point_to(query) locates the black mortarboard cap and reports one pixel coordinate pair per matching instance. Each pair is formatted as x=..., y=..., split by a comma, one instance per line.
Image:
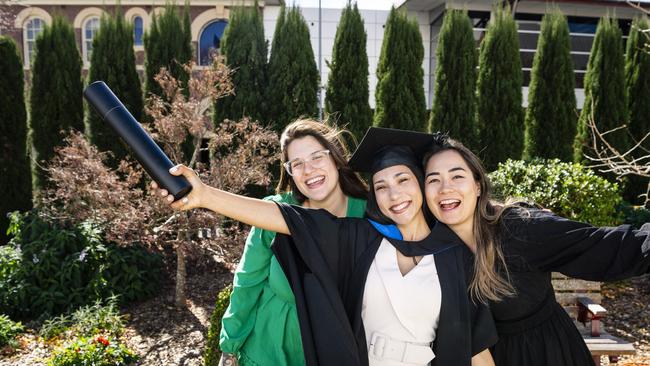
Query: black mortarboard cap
x=381, y=148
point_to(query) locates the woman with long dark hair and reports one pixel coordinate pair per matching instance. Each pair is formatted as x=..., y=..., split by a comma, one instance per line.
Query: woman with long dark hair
x=516, y=248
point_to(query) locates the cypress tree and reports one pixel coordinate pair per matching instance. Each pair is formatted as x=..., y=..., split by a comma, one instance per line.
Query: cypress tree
x=347, y=87
x=605, y=99
x=245, y=49
x=56, y=95
x=113, y=61
x=15, y=185
x=167, y=44
x=500, y=115
x=400, y=101
x=637, y=83
x=293, y=75
x=454, y=99
x=551, y=115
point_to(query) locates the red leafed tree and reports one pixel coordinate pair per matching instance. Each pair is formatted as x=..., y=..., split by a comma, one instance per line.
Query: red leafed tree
x=240, y=152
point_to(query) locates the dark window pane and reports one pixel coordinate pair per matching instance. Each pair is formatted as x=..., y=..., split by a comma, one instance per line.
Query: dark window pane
x=138, y=31
x=210, y=41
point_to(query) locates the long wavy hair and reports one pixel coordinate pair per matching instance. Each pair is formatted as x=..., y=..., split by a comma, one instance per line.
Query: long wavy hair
x=491, y=280
x=331, y=137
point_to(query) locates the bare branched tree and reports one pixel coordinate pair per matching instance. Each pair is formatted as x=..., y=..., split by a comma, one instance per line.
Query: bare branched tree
x=85, y=188
x=607, y=159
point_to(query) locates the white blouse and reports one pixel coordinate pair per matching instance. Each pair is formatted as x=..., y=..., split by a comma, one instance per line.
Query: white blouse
x=400, y=313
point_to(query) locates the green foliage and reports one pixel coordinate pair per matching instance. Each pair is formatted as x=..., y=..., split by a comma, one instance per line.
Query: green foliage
x=113, y=61
x=346, y=98
x=49, y=269
x=293, y=76
x=500, y=115
x=637, y=84
x=167, y=44
x=103, y=317
x=8, y=331
x=605, y=95
x=567, y=189
x=212, y=353
x=635, y=215
x=400, y=101
x=56, y=95
x=551, y=114
x=15, y=184
x=454, y=101
x=97, y=351
x=245, y=49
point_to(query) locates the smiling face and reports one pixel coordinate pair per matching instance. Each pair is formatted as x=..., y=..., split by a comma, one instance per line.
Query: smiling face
x=398, y=194
x=315, y=183
x=451, y=190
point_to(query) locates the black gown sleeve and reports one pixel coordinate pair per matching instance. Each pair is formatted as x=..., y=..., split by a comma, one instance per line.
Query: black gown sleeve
x=551, y=243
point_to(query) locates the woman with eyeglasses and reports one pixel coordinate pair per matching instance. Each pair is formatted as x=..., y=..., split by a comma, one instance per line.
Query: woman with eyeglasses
x=260, y=326
x=364, y=298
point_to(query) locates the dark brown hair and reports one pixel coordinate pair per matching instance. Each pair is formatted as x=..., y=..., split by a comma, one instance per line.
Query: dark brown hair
x=491, y=280
x=331, y=137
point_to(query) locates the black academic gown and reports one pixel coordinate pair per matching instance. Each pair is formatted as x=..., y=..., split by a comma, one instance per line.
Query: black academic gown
x=534, y=330
x=327, y=259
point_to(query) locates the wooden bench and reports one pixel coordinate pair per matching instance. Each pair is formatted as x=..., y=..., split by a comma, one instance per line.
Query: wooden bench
x=581, y=299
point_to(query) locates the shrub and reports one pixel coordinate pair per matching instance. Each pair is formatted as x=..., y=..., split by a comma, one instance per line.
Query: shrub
x=87, y=321
x=8, y=331
x=500, y=115
x=212, y=350
x=55, y=103
x=634, y=215
x=568, y=189
x=50, y=268
x=399, y=95
x=16, y=186
x=97, y=351
x=454, y=104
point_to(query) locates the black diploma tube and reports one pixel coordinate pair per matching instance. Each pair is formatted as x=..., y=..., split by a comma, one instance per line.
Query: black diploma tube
x=148, y=153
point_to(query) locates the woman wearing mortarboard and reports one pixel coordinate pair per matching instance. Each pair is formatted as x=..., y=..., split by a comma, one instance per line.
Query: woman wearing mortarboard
x=364, y=299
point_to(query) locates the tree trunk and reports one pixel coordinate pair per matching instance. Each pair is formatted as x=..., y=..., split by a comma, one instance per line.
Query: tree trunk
x=181, y=273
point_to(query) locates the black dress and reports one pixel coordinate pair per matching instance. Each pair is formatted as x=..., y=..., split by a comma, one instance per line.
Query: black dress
x=534, y=330
x=327, y=259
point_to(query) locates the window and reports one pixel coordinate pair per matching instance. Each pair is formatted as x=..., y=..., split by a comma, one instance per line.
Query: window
x=89, y=30
x=32, y=28
x=138, y=30
x=210, y=41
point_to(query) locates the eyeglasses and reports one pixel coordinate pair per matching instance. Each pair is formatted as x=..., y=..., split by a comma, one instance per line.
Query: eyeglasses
x=316, y=160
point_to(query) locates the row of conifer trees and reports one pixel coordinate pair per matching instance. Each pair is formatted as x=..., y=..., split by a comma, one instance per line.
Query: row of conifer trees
x=477, y=94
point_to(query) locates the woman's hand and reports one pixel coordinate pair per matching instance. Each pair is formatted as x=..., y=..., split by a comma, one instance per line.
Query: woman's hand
x=193, y=199
x=483, y=359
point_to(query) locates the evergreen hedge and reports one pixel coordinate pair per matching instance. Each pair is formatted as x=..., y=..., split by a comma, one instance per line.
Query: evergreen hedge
x=605, y=99
x=245, y=49
x=551, y=114
x=637, y=84
x=454, y=100
x=293, y=76
x=168, y=43
x=15, y=185
x=500, y=115
x=400, y=101
x=113, y=61
x=347, y=87
x=56, y=95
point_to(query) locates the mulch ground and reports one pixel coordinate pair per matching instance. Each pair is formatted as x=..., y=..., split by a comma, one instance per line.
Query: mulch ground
x=628, y=316
x=165, y=335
